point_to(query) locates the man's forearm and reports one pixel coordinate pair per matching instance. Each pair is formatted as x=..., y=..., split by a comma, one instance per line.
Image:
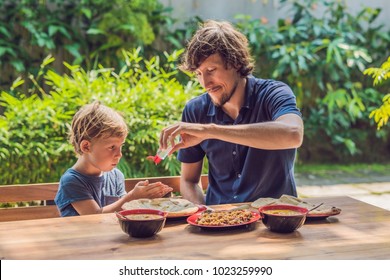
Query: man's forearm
x=192, y=192
x=268, y=135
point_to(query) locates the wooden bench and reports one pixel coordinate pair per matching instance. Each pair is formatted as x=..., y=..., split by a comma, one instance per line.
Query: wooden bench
x=46, y=192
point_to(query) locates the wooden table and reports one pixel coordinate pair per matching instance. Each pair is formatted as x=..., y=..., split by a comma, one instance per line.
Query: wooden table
x=361, y=231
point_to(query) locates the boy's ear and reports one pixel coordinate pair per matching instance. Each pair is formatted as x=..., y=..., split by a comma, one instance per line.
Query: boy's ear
x=85, y=146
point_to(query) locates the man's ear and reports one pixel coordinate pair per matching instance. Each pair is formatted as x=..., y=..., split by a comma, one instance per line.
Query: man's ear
x=85, y=146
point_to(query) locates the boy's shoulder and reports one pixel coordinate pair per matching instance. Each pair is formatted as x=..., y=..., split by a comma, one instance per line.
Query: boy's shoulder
x=70, y=176
x=69, y=173
x=114, y=174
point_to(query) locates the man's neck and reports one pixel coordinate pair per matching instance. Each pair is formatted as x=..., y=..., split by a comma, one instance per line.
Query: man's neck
x=233, y=106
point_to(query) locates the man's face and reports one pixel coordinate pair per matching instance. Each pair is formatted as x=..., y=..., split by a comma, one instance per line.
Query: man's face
x=219, y=82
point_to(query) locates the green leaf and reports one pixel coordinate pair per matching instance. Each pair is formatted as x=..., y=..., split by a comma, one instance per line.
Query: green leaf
x=74, y=49
x=47, y=60
x=127, y=27
x=18, y=82
x=86, y=12
x=95, y=31
x=4, y=50
x=18, y=65
x=52, y=30
x=5, y=32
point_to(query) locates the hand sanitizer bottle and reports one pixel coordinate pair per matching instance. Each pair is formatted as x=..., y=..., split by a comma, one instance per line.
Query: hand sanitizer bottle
x=162, y=153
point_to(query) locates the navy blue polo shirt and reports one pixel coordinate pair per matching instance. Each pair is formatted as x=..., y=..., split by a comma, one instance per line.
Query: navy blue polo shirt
x=240, y=173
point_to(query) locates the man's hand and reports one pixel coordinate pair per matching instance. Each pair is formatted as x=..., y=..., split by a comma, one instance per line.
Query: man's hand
x=191, y=134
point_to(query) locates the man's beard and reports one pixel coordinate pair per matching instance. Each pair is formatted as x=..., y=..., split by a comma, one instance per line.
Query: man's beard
x=225, y=97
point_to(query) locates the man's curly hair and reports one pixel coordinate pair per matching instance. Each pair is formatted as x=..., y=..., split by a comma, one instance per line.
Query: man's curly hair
x=218, y=37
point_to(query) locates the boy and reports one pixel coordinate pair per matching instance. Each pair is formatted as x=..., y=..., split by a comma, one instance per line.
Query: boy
x=94, y=184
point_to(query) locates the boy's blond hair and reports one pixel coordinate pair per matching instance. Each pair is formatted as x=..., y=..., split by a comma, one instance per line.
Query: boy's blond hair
x=94, y=121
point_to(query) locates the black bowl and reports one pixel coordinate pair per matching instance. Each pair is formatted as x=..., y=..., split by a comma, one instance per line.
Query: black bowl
x=283, y=218
x=141, y=223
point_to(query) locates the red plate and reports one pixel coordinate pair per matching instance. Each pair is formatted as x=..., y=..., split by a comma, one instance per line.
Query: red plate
x=320, y=216
x=192, y=221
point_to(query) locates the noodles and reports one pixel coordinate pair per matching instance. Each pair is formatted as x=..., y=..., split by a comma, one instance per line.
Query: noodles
x=224, y=218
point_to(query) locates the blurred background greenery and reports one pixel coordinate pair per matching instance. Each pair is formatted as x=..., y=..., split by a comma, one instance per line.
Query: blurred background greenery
x=56, y=56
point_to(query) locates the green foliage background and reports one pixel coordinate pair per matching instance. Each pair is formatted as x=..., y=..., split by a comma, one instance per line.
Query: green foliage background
x=82, y=32
x=322, y=57
x=381, y=75
x=33, y=129
x=114, y=51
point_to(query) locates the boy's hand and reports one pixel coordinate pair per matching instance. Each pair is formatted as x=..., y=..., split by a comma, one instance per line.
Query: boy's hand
x=154, y=190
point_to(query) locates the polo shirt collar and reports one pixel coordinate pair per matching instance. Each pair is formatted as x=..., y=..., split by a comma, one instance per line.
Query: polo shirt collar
x=212, y=108
x=250, y=82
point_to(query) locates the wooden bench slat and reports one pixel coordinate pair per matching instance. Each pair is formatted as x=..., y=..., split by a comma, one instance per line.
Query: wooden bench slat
x=48, y=191
x=17, y=193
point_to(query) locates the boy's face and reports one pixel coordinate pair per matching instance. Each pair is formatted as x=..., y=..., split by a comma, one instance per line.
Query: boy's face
x=104, y=154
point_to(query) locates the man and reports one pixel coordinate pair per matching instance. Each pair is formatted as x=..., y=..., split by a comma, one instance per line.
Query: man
x=248, y=128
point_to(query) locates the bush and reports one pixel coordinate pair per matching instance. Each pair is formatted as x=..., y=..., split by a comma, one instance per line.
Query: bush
x=381, y=75
x=33, y=129
x=80, y=31
x=322, y=58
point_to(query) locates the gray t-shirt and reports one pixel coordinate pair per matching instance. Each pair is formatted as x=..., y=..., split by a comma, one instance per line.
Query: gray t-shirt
x=75, y=186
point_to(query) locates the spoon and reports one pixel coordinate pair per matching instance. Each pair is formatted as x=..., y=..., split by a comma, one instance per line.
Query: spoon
x=121, y=216
x=315, y=207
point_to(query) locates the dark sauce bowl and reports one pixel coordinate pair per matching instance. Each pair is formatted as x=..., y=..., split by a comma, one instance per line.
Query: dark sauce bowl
x=283, y=218
x=141, y=223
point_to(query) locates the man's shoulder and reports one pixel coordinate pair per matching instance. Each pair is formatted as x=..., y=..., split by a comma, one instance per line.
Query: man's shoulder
x=269, y=87
x=197, y=101
x=197, y=107
x=266, y=83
